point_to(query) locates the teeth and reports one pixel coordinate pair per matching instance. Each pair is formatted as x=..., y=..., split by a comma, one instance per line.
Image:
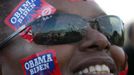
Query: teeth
x=91, y=69
x=94, y=72
x=80, y=73
x=97, y=69
x=85, y=70
x=105, y=69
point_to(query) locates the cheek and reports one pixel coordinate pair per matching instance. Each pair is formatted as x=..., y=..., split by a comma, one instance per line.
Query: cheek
x=118, y=55
x=63, y=53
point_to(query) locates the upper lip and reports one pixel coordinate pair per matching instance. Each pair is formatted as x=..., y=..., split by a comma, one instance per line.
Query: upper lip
x=92, y=62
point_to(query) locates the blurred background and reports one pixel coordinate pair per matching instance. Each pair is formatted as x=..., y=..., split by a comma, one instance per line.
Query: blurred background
x=122, y=8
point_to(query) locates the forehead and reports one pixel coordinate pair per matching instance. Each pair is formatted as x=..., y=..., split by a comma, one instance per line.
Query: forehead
x=85, y=8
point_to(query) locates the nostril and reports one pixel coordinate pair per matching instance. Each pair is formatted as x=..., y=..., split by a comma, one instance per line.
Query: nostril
x=107, y=46
x=93, y=46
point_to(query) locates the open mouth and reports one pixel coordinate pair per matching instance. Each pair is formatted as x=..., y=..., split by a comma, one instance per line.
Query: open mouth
x=95, y=67
x=95, y=70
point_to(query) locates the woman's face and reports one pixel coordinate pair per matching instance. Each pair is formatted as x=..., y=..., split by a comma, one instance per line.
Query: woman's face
x=90, y=56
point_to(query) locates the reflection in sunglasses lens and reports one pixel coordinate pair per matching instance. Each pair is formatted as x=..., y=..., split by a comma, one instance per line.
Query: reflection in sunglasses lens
x=112, y=27
x=61, y=28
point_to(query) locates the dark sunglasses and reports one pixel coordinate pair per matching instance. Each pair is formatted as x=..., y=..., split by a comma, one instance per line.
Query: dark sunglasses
x=111, y=26
x=63, y=28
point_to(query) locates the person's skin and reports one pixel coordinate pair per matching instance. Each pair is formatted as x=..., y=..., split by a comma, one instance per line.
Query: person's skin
x=92, y=50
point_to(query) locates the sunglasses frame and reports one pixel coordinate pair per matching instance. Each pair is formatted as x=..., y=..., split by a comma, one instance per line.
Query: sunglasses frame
x=4, y=43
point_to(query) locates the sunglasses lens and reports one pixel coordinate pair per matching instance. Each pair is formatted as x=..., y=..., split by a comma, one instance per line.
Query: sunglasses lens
x=113, y=28
x=60, y=28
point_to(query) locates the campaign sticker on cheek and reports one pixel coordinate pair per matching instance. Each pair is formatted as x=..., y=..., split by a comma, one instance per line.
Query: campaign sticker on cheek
x=42, y=63
x=27, y=11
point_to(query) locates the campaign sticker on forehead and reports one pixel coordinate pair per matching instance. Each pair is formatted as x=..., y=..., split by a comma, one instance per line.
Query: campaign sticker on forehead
x=27, y=11
x=42, y=63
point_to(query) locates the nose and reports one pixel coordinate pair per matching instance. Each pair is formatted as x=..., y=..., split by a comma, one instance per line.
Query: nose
x=94, y=39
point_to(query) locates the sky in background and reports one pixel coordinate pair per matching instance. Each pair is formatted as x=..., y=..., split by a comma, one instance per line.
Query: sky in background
x=122, y=8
